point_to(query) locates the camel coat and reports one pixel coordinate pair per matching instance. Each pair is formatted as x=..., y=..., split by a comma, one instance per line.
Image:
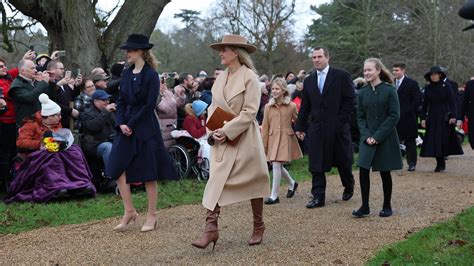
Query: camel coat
x=239, y=172
x=279, y=139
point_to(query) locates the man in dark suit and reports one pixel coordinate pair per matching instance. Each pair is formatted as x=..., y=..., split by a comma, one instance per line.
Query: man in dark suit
x=467, y=109
x=328, y=101
x=455, y=87
x=410, y=97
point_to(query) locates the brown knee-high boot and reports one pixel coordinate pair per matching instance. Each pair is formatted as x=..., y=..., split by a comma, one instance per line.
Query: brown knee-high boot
x=258, y=225
x=211, y=232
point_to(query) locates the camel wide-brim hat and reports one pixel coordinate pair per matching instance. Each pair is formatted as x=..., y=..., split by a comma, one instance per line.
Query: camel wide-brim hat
x=234, y=40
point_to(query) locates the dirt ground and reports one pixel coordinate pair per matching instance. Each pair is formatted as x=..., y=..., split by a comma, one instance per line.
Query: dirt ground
x=294, y=234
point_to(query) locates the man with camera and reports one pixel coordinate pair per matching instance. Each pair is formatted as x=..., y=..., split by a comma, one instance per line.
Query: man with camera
x=26, y=88
x=97, y=124
x=67, y=89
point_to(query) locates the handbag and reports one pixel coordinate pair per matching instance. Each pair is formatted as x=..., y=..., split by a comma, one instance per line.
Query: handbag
x=218, y=119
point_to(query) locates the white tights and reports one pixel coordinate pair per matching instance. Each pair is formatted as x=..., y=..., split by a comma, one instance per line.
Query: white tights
x=278, y=172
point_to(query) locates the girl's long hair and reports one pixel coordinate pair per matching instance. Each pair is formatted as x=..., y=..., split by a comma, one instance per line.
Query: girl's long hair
x=385, y=74
x=188, y=109
x=150, y=59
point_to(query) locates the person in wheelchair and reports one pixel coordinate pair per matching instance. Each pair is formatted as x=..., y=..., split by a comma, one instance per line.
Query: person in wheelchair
x=53, y=167
x=98, y=133
x=195, y=124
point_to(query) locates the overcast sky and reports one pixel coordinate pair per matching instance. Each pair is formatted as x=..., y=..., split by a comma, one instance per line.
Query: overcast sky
x=166, y=22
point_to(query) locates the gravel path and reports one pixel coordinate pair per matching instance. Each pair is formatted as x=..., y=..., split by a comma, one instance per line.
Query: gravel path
x=294, y=234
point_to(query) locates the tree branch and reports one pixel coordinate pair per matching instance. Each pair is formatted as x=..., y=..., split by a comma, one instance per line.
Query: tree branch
x=131, y=18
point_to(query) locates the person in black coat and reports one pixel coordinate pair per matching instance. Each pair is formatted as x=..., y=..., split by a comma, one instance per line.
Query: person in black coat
x=66, y=92
x=468, y=110
x=328, y=101
x=410, y=96
x=114, y=83
x=455, y=88
x=98, y=128
x=438, y=114
x=138, y=153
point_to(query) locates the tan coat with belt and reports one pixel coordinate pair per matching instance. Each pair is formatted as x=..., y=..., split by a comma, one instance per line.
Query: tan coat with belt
x=239, y=172
x=279, y=140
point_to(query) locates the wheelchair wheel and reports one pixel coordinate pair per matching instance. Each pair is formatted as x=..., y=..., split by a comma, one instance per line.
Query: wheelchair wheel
x=182, y=160
x=205, y=168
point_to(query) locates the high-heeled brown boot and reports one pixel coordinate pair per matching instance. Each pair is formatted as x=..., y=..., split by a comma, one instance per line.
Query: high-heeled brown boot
x=211, y=232
x=258, y=225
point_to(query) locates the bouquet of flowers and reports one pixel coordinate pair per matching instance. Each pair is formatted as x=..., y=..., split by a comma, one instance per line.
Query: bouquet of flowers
x=57, y=141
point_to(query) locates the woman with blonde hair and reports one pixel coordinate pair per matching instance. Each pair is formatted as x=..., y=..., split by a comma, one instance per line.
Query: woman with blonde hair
x=238, y=169
x=138, y=153
x=279, y=140
x=378, y=111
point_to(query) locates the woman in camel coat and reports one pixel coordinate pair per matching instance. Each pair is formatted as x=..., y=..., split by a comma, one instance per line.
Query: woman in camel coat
x=237, y=172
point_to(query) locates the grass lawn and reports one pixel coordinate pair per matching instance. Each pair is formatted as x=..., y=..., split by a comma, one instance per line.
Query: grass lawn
x=448, y=243
x=18, y=217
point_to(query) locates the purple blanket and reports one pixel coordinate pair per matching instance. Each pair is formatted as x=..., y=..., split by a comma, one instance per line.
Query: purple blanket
x=43, y=174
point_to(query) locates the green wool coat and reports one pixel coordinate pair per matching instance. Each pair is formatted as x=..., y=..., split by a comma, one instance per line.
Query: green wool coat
x=378, y=112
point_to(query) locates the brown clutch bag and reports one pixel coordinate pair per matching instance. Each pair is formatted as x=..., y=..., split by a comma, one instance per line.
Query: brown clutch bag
x=218, y=119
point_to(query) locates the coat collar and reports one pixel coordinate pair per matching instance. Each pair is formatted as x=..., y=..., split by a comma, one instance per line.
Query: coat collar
x=327, y=83
x=235, y=85
x=286, y=101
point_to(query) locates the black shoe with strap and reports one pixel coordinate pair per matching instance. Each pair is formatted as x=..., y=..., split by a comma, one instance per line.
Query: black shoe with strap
x=290, y=192
x=270, y=201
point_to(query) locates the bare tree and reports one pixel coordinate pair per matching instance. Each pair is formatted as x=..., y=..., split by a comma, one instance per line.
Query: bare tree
x=260, y=20
x=71, y=26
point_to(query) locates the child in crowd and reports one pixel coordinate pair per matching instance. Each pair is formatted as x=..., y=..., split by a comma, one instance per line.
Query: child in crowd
x=279, y=140
x=195, y=120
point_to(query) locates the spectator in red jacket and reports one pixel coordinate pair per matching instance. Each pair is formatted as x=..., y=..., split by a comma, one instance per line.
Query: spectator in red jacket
x=8, y=130
x=195, y=120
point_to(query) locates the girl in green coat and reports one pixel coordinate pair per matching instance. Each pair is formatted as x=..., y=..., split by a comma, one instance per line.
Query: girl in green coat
x=378, y=111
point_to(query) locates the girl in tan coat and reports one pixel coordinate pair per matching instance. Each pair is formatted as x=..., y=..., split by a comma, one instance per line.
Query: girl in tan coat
x=237, y=172
x=279, y=140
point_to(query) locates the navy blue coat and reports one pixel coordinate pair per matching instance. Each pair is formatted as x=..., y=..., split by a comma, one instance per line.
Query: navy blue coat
x=143, y=155
x=325, y=118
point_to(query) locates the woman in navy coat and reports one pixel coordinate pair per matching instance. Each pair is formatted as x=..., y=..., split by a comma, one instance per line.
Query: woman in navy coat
x=138, y=153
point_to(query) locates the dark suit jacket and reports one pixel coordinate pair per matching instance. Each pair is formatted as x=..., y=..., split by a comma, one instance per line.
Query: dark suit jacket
x=325, y=118
x=468, y=110
x=410, y=97
x=65, y=95
x=457, y=104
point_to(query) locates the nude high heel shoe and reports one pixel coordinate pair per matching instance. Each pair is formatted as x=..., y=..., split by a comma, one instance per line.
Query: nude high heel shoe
x=146, y=228
x=123, y=227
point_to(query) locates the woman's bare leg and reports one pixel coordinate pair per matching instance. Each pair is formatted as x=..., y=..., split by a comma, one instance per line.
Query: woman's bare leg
x=152, y=194
x=129, y=210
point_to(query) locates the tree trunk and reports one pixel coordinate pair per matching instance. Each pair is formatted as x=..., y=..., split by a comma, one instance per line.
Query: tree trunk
x=71, y=27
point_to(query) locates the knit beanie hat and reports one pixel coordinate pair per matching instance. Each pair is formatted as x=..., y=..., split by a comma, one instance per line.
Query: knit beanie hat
x=48, y=107
x=199, y=107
